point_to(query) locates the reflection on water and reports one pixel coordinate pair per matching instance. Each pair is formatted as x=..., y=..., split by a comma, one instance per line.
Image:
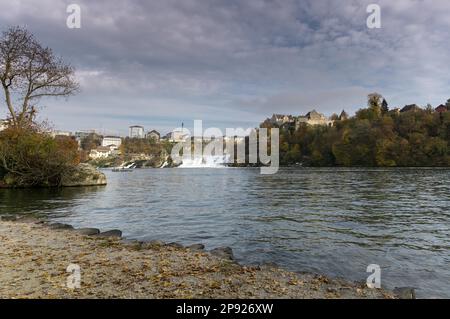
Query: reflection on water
x=332, y=221
x=44, y=202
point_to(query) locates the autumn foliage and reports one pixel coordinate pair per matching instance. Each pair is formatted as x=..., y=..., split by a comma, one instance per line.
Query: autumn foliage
x=374, y=137
x=30, y=157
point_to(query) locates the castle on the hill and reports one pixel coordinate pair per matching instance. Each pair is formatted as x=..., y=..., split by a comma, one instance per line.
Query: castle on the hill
x=311, y=118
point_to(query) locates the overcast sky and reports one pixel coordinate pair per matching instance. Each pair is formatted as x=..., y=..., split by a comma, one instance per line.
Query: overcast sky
x=233, y=63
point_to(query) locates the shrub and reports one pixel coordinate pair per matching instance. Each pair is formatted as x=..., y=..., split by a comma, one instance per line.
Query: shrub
x=29, y=157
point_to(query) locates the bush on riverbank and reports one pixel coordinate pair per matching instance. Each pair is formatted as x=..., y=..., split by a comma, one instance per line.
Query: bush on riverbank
x=30, y=157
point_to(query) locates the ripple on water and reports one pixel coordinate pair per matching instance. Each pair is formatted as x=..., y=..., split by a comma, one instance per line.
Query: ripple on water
x=331, y=221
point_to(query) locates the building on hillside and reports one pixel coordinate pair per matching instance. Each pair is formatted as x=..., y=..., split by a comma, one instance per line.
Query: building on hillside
x=441, y=108
x=410, y=108
x=177, y=135
x=313, y=118
x=154, y=135
x=100, y=152
x=115, y=141
x=293, y=122
x=280, y=119
x=136, y=131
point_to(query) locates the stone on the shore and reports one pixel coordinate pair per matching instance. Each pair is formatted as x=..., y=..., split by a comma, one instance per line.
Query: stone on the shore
x=60, y=226
x=196, y=247
x=405, y=292
x=83, y=175
x=111, y=233
x=223, y=252
x=175, y=245
x=88, y=231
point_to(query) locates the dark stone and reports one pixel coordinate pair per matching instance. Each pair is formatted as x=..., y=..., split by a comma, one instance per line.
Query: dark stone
x=175, y=245
x=88, y=231
x=60, y=226
x=405, y=292
x=111, y=233
x=223, y=252
x=196, y=247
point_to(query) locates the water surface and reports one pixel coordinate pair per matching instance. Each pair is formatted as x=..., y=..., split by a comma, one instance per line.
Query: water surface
x=330, y=221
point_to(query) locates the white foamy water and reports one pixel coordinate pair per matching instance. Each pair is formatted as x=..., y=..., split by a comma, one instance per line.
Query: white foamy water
x=209, y=161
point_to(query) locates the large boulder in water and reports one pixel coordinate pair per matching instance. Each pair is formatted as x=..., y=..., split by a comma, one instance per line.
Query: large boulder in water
x=84, y=175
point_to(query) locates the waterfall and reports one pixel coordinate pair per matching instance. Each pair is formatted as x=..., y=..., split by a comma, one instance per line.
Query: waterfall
x=206, y=161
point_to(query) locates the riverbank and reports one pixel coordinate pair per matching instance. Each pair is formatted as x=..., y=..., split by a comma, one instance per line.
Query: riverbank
x=34, y=258
x=82, y=175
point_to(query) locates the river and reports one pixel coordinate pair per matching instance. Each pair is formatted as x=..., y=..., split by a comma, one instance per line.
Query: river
x=333, y=221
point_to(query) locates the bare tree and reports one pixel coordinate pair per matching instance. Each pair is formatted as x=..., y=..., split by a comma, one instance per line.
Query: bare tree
x=29, y=72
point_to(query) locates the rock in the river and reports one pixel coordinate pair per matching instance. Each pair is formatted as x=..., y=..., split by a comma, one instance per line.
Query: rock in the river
x=223, y=252
x=405, y=292
x=196, y=247
x=84, y=175
x=88, y=231
x=111, y=233
x=60, y=226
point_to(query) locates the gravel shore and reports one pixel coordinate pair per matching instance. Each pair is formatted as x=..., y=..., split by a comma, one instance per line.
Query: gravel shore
x=34, y=259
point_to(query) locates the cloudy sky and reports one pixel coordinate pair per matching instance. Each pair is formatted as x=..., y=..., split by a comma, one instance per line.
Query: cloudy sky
x=232, y=63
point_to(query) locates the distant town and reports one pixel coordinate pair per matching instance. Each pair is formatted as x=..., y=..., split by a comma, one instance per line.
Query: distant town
x=105, y=146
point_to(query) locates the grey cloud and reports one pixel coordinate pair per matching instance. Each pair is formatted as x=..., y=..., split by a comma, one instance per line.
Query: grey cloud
x=230, y=60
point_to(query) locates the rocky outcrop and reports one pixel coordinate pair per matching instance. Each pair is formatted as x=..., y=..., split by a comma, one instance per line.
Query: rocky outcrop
x=83, y=175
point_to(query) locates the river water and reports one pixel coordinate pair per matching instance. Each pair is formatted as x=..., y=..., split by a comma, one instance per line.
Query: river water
x=332, y=221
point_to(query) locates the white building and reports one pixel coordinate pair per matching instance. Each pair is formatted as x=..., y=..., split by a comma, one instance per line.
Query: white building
x=60, y=133
x=116, y=141
x=136, y=131
x=178, y=135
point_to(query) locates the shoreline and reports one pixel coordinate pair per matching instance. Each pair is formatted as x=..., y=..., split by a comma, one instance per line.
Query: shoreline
x=35, y=256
